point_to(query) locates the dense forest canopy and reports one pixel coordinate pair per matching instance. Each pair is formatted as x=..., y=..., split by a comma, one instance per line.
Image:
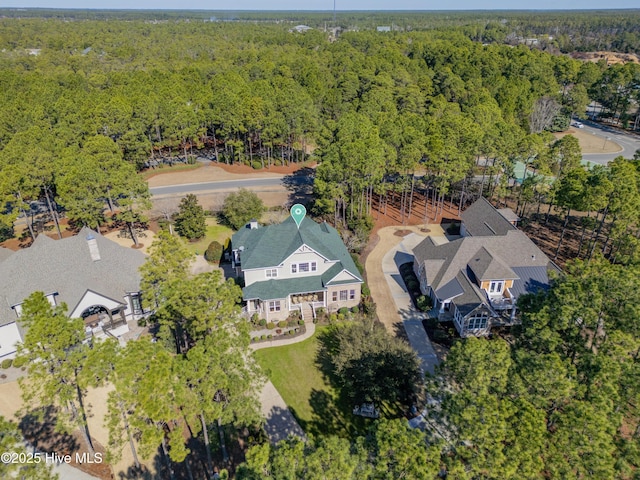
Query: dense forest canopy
x=575, y=30
x=374, y=107
x=433, y=108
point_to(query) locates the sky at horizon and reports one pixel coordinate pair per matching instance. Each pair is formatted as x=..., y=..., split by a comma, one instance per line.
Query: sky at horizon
x=341, y=5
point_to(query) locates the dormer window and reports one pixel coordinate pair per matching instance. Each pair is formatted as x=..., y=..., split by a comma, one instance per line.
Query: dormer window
x=496, y=286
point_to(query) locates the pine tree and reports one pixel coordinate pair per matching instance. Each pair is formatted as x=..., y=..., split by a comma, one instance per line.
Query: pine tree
x=190, y=221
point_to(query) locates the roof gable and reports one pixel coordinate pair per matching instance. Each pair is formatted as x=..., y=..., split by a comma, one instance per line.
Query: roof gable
x=343, y=276
x=270, y=246
x=516, y=250
x=65, y=266
x=486, y=266
x=482, y=219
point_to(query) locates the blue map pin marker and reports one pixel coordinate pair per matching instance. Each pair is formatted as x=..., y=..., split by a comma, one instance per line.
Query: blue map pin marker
x=298, y=213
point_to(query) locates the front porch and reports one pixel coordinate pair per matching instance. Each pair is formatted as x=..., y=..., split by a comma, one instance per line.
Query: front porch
x=279, y=309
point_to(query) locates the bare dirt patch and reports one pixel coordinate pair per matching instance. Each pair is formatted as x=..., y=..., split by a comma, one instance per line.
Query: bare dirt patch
x=590, y=143
x=215, y=172
x=610, y=58
x=145, y=239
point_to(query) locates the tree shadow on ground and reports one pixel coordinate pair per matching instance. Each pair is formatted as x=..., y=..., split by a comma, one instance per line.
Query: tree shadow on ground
x=281, y=423
x=141, y=473
x=332, y=412
x=300, y=185
x=40, y=431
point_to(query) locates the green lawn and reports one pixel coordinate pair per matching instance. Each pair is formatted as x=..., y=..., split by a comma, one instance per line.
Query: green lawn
x=215, y=231
x=294, y=371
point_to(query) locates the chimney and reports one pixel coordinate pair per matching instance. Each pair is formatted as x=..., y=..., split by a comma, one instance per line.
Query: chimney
x=253, y=224
x=93, y=247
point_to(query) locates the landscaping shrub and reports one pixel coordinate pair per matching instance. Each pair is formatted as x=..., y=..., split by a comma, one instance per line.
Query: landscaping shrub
x=341, y=317
x=412, y=284
x=255, y=319
x=269, y=337
x=356, y=260
x=365, y=290
x=283, y=323
x=213, y=252
x=256, y=165
x=355, y=309
x=333, y=317
x=271, y=325
x=263, y=337
x=300, y=322
x=6, y=363
x=19, y=362
x=343, y=311
x=263, y=322
x=368, y=307
x=423, y=303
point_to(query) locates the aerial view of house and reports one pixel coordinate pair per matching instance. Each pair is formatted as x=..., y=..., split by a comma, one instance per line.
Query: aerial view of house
x=476, y=280
x=287, y=268
x=96, y=278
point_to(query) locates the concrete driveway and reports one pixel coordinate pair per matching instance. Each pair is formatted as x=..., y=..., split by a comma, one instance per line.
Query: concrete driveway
x=410, y=316
x=394, y=306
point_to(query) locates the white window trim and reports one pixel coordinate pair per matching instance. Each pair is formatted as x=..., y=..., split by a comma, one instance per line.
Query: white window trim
x=310, y=267
x=274, y=306
x=496, y=286
x=271, y=273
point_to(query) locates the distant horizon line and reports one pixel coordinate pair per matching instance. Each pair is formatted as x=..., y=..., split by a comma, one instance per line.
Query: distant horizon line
x=320, y=11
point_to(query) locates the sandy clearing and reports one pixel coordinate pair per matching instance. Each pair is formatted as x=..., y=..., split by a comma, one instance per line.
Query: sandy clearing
x=208, y=173
x=145, y=240
x=11, y=402
x=590, y=143
x=386, y=307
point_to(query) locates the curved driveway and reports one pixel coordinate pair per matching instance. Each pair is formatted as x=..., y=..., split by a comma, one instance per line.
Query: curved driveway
x=394, y=306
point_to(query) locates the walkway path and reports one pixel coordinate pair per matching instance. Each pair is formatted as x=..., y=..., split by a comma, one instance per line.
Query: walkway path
x=280, y=421
x=394, y=306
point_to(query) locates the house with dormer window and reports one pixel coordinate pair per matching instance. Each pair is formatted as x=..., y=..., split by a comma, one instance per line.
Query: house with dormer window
x=289, y=268
x=95, y=277
x=476, y=280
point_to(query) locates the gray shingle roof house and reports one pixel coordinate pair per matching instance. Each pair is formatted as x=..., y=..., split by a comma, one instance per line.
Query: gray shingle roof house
x=477, y=279
x=286, y=268
x=97, y=279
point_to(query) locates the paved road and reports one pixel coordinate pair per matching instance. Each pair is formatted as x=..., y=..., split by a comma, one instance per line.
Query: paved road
x=231, y=184
x=629, y=142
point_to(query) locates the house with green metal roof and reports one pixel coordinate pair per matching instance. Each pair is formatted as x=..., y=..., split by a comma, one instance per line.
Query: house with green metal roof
x=291, y=267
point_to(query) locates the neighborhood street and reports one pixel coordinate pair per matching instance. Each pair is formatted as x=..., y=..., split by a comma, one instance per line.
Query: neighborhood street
x=183, y=189
x=629, y=142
